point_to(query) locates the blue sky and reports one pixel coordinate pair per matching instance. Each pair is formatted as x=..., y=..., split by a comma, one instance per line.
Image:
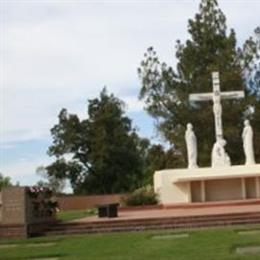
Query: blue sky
x=56, y=54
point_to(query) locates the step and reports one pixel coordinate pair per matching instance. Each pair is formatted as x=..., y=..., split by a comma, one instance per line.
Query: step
x=196, y=224
x=126, y=229
x=175, y=220
x=116, y=220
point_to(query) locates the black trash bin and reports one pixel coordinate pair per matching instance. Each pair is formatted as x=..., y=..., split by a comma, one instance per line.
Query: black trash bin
x=112, y=210
x=108, y=210
x=102, y=211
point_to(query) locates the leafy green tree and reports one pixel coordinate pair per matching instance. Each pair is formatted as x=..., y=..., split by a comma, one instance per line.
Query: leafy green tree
x=50, y=181
x=100, y=154
x=5, y=181
x=156, y=158
x=210, y=48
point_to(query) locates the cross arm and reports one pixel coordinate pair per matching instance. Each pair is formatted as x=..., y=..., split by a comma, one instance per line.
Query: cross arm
x=232, y=94
x=201, y=97
x=224, y=95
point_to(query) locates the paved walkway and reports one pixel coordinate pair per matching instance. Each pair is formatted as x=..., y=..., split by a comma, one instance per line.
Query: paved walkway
x=177, y=212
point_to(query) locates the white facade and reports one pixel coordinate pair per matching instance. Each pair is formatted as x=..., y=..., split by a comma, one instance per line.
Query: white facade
x=207, y=184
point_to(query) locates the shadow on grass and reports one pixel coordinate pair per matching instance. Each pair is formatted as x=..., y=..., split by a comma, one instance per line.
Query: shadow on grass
x=38, y=257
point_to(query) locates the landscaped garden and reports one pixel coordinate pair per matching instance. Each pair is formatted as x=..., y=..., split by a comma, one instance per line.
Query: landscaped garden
x=222, y=243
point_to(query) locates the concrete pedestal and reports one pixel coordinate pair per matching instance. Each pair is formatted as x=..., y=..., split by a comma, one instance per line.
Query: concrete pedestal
x=208, y=184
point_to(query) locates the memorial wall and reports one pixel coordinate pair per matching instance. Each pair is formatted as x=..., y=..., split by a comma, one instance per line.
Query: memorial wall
x=25, y=211
x=0, y=207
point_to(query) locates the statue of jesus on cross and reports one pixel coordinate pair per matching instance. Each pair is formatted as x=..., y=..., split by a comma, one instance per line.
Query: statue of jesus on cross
x=219, y=156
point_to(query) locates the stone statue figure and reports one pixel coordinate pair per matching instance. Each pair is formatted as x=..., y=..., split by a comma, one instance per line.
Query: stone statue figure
x=217, y=109
x=191, y=143
x=219, y=156
x=247, y=137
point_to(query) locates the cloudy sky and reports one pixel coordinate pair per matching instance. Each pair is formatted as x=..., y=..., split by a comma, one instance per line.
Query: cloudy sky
x=56, y=54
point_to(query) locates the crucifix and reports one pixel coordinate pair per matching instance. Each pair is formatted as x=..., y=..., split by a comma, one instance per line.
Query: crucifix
x=219, y=157
x=216, y=96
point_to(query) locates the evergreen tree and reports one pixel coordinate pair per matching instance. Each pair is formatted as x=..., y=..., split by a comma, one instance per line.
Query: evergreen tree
x=158, y=158
x=210, y=48
x=5, y=181
x=51, y=182
x=105, y=157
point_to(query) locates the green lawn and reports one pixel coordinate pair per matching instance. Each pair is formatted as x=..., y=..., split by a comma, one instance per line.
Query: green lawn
x=75, y=214
x=202, y=244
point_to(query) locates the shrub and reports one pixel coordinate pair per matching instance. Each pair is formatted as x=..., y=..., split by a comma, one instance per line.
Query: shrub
x=142, y=196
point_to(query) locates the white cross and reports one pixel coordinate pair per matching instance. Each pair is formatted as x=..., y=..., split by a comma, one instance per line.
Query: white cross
x=216, y=97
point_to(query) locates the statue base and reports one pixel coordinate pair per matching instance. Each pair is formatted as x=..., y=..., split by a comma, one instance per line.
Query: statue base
x=207, y=184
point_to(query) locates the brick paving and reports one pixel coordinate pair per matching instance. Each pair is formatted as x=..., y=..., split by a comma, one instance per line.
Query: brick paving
x=177, y=217
x=205, y=209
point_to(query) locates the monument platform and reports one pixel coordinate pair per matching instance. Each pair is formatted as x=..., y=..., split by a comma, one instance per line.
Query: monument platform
x=208, y=184
x=179, y=217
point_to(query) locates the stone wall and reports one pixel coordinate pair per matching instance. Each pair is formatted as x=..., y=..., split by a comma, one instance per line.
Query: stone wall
x=86, y=202
x=0, y=207
x=221, y=190
x=13, y=231
x=13, y=206
x=21, y=215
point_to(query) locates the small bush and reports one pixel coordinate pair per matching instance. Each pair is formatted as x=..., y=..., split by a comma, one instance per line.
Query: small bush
x=142, y=196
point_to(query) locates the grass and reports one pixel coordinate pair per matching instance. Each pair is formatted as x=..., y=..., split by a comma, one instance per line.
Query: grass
x=75, y=214
x=210, y=244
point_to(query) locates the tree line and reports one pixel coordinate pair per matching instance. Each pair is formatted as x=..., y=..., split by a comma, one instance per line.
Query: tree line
x=104, y=153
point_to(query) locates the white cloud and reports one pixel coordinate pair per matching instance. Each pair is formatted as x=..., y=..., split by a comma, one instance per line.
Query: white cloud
x=133, y=104
x=60, y=53
x=5, y=146
x=56, y=54
x=24, y=169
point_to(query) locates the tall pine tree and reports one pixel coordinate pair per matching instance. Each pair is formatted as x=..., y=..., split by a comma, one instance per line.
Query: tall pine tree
x=210, y=48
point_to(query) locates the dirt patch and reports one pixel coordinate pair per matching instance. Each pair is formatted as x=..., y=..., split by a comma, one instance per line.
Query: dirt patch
x=170, y=236
x=47, y=244
x=249, y=232
x=46, y=258
x=8, y=246
x=40, y=244
x=248, y=250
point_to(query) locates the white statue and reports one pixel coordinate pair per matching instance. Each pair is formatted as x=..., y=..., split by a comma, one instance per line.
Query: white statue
x=219, y=156
x=247, y=137
x=191, y=143
x=217, y=109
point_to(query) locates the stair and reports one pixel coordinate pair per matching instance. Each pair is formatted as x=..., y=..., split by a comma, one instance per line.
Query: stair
x=184, y=222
